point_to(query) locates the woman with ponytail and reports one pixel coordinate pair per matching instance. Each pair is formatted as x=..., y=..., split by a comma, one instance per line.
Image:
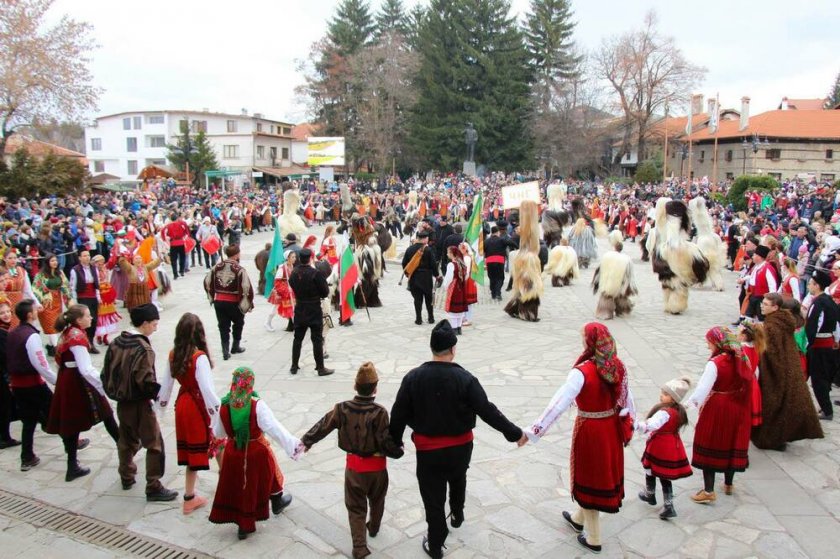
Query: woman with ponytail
x=189, y=363
x=79, y=401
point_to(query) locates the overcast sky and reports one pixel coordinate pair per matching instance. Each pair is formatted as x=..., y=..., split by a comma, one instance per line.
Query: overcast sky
x=226, y=56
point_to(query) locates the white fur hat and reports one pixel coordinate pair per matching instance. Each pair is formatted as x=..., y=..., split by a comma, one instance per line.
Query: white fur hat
x=677, y=388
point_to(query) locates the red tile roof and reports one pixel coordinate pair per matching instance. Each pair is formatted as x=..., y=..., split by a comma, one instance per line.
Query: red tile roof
x=676, y=125
x=302, y=132
x=811, y=125
x=37, y=148
x=805, y=104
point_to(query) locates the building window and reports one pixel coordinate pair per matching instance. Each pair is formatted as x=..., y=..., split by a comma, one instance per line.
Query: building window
x=138, y=122
x=182, y=126
x=231, y=152
x=702, y=155
x=159, y=162
x=231, y=126
x=285, y=153
x=131, y=144
x=260, y=152
x=829, y=154
x=774, y=154
x=156, y=141
x=96, y=144
x=730, y=176
x=127, y=123
x=197, y=126
x=272, y=129
x=286, y=131
x=132, y=167
x=777, y=176
x=155, y=119
x=728, y=155
x=98, y=166
x=827, y=177
x=272, y=153
x=259, y=127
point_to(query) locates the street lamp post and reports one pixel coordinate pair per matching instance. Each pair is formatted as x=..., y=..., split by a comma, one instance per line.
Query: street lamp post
x=684, y=152
x=756, y=144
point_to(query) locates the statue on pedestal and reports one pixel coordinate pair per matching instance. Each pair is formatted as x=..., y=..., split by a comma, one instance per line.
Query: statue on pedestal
x=471, y=138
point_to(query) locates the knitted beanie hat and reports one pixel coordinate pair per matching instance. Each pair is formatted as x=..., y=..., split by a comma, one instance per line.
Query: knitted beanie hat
x=677, y=388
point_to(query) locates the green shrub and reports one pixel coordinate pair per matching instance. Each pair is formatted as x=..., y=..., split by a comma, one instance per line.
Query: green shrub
x=648, y=172
x=748, y=182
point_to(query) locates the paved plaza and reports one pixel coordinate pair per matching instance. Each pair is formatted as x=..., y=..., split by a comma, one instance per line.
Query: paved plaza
x=786, y=505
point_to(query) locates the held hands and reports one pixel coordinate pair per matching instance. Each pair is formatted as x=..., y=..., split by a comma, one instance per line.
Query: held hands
x=523, y=440
x=300, y=449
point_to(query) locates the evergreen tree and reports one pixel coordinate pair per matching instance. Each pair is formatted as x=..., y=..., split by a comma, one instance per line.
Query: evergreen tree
x=202, y=156
x=391, y=18
x=474, y=69
x=416, y=19
x=833, y=98
x=351, y=28
x=548, y=37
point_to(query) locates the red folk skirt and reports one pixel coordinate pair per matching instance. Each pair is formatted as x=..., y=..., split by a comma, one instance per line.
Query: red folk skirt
x=283, y=298
x=76, y=406
x=242, y=495
x=722, y=435
x=597, y=463
x=665, y=456
x=192, y=431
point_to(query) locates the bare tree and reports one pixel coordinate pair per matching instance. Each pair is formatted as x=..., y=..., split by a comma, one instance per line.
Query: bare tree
x=646, y=70
x=382, y=77
x=43, y=69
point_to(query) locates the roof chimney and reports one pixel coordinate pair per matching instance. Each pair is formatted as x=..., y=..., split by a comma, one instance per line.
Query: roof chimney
x=244, y=112
x=745, y=114
x=258, y=115
x=784, y=105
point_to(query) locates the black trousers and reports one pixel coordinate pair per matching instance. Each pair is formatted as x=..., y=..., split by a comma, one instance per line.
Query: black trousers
x=178, y=257
x=822, y=363
x=229, y=316
x=33, y=407
x=421, y=296
x=316, y=334
x=435, y=470
x=7, y=408
x=754, y=307
x=93, y=305
x=496, y=273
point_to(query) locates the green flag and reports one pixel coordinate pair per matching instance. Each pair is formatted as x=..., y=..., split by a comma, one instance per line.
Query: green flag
x=474, y=236
x=275, y=259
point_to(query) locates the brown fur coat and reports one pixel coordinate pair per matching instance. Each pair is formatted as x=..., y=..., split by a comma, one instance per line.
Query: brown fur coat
x=788, y=413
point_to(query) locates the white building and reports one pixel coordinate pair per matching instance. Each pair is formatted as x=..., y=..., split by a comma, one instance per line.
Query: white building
x=123, y=144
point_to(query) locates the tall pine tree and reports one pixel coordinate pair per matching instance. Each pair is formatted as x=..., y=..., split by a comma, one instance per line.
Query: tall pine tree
x=391, y=18
x=474, y=69
x=548, y=37
x=833, y=99
x=351, y=28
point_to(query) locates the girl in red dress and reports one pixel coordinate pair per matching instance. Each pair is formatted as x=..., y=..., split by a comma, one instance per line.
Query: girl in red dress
x=722, y=436
x=282, y=296
x=79, y=401
x=753, y=343
x=664, y=456
x=109, y=319
x=189, y=363
x=250, y=476
x=598, y=385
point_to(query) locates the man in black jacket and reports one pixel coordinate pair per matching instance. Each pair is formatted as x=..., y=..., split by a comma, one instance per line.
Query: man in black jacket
x=820, y=325
x=309, y=287
x=495, y=254
x=453, y=240
x=420, y=280
x=439, y=400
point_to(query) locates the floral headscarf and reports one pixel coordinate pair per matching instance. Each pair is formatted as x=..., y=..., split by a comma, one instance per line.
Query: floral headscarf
x=727, y=342
x=600, y=348
x=239, y=402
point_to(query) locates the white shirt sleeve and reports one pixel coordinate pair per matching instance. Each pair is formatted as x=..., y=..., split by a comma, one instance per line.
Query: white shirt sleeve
x=771, y=279
x=794, y=287
x=204, y=376
x=27, y=289
x=269, y=424
x=656, y=421
x=86, y=368
x=217, y=426
x=559, y=403
x=704, y=387
x=166, y=384
x=73, y=285
x=450, y=275
x=35, y=351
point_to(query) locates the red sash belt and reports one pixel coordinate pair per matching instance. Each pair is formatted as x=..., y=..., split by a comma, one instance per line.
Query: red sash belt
x=822, y=343
x=25, y=381
x=365, y=464
x=89, y=292
x=228, y=297
x=495, y=259
x=426, y=442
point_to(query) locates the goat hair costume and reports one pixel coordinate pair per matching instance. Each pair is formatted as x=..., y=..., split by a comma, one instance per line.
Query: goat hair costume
x=613, y=282
x=710, y=244
x=678, y=262
x=562, y=265
x=525, y=267
x=290, y=221
x=369, y=259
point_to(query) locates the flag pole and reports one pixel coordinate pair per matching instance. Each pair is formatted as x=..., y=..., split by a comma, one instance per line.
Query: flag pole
x=717, y=127
x=665, y=157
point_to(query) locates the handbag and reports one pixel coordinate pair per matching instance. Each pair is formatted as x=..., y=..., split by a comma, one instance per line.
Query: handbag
x=211, y=244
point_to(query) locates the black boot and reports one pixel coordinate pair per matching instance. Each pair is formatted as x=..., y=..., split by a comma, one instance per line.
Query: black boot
x=225, y=350
x=290, y=327
x=668, y=497
x=279, y=502
x=75, y=471
x=237, y=348
x=648, y=494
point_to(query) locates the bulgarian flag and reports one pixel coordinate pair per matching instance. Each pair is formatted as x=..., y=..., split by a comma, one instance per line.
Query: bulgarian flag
x=474, y=236
x=275, y=259
x=348, y=276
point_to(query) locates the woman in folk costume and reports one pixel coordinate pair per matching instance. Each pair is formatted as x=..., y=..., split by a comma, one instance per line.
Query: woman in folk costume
x=329, y=249
x=678, y=263
x=613, y=281
x=282, y=296
x=526, y=270
x=724, y=393
x=791, y=287
x=140, y=267
x=14, y=284
x=664, y=456
x=79, y=401
x=753, y=344
x=455, y=283
x=598, y=385
x=189, y=363
x=471, y=289
x=709, y=243
x=109, y=319
x=787, y=411
x=582, y=234
x=250, y=477
x=119, y=280
x=53, y=290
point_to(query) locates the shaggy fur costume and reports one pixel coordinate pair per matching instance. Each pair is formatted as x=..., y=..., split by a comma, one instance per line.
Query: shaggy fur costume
x=525, y=267
x=369, y=259
x=613, y=282
x=582, y=240
x=562, y=265
x=678, y=263
x=711, y=245
x=290, y=221
x=347, y=205
x=787, y=412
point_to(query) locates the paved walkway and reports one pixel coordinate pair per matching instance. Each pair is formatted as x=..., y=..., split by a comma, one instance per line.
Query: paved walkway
x=786, y=505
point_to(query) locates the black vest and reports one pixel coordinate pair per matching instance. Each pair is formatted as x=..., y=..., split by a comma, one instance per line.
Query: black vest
x=17, y=360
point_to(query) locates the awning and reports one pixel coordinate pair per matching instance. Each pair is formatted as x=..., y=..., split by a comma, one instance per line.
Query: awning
x=157, y=172
x=291, y=172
